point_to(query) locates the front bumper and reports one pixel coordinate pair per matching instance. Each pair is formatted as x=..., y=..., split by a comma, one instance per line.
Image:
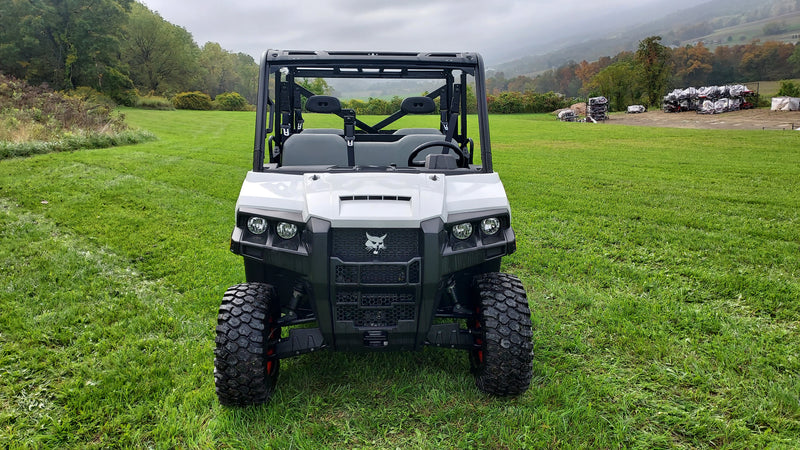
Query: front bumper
x=366, y=297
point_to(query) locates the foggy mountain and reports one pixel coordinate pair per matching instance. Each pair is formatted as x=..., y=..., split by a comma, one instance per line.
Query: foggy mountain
x=609, y=35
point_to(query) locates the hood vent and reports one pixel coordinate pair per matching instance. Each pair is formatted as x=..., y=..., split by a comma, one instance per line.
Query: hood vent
x=393, y=198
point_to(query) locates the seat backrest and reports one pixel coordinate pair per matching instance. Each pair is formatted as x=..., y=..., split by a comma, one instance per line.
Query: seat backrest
x=418, y=105
x=396, y=152
x=407, y=131
x=323, y=104
x=314, y=149
x=338, y=131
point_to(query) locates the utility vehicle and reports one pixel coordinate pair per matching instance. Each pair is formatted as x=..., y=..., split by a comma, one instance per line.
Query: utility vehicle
x=364, y=235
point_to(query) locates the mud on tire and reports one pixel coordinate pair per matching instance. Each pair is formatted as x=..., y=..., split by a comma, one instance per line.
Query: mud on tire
x=502, y=364
x=244, y=373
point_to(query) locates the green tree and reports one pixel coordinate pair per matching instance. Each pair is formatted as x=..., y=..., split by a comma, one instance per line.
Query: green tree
x=618, y=82
x=18, y=38
x=247, y=69
x=794, y=60
x=66, y=43
x=316, y=85
x=218, y=69
x=161, y=57
x=653, y=61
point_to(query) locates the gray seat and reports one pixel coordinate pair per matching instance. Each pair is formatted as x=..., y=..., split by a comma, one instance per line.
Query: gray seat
x=314, y=149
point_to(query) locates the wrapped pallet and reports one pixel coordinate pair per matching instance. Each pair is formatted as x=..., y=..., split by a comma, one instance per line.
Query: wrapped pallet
x=785, y=104
x=567, y=115
x=636, y=109
x=597, y=109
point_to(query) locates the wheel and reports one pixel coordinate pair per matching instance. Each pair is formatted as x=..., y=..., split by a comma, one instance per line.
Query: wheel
x=503, y=359
x=244, y=372
x=462, y=159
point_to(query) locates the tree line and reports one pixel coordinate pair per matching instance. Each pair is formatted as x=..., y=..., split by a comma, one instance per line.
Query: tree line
x=125, y=50
x=118, y=47
x=645, y=75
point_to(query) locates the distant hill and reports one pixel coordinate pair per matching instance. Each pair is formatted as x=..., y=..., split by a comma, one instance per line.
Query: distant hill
x=715, y=22
x=783, y=28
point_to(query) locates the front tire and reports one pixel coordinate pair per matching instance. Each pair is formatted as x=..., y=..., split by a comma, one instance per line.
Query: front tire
x=503, y=359
x=245, y=373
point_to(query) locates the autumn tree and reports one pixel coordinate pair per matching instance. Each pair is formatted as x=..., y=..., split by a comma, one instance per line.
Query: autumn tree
x=692, y=65
x=521, y=83
x=586, y=71
x=497, y=83
x=767, y=61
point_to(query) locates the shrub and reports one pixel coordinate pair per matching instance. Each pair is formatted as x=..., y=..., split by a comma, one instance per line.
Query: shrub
x=119, y=87
x=37, y=120
x=30, y=112
x=92, y=97
x=231, y=101
x=512, y=102
x=193, y=100
x=789, y=89
x=72, y=142
x=154, y=102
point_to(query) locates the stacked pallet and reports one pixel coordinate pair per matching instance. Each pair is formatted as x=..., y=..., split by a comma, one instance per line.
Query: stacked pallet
x=597, y=109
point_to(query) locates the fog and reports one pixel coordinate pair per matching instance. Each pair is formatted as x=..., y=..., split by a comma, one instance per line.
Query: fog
x=499, y=29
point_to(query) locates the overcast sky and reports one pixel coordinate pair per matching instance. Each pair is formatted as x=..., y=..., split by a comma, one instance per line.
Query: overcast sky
x=496, y=28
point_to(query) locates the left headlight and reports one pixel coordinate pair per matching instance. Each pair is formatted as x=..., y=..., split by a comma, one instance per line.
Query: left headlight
x=286, y=230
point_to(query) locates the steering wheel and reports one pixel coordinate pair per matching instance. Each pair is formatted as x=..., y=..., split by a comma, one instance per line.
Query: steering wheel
x=462, y=159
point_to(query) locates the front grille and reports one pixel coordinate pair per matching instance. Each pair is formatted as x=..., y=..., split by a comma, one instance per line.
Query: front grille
x=364, y=244
x=375, y=309
x=376, y=275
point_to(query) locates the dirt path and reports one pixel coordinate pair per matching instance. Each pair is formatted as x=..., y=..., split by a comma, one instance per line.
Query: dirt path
x=753, y=119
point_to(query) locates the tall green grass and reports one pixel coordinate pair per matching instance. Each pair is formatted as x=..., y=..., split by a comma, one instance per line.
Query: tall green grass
x=661, y=267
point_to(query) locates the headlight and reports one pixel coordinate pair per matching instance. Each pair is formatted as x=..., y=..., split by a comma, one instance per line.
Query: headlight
x=462, y=231
x=490, y=226
x=257, y=225
x=286, y=230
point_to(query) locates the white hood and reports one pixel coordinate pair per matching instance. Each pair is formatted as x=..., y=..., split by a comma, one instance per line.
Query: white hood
x=350, y=199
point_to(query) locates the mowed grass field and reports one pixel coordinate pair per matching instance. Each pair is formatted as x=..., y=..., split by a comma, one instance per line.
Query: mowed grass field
x=662, y=269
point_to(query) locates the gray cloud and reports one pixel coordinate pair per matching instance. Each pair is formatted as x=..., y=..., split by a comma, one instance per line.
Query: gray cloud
x=495, y=28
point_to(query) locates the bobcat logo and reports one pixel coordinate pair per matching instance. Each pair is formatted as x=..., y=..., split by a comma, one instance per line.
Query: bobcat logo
x=375, y=244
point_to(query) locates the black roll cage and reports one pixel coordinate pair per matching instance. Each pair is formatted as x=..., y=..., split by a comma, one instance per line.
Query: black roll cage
x=285, y=66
